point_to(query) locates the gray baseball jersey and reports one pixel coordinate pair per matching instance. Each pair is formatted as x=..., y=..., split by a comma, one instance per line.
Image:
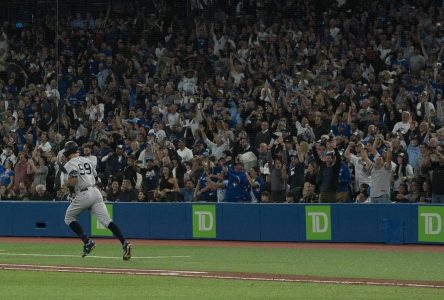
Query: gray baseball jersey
x=83, y=169
x=87, y=196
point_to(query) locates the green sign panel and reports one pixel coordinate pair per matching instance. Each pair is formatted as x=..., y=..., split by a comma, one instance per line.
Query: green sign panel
x=204, y=221
x=98, y=229
x=430, y=220
x=318, y=222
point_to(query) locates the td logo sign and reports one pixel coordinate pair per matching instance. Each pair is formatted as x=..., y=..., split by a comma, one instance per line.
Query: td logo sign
x=430, y=223
x=318, y=222
x=204, y=221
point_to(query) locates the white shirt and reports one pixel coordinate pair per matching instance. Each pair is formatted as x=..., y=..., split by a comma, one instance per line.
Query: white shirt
x=404, y=127
x=219, y=44
x=172, y=119
x=160, y=134
x=188, y=85
x=361, y=176
x=380, y=181
x=11, y=157
x=428, y=107
x=45, y=147
x=186, y=154
x=217, y=150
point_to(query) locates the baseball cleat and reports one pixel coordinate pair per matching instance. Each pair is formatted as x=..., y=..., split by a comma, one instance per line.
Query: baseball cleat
x=127, y=250
x=88, y=247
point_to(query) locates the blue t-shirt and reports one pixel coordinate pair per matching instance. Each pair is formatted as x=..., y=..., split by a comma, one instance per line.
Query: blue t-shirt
x=5, y=177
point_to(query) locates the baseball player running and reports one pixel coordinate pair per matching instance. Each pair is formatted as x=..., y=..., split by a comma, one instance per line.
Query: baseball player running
x=80, y=179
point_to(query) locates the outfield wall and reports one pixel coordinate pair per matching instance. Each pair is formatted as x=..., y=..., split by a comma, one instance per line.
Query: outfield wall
x=363, y=223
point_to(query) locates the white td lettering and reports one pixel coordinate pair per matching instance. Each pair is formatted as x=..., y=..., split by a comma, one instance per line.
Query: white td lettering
x=429, y=229
x=203, y=217
x=316, y=221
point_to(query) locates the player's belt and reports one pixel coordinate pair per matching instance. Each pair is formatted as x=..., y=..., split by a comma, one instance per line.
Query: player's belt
x=84, y=189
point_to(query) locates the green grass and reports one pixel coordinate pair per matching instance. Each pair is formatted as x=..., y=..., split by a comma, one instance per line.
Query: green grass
x=323, y=262
x=336, y=263
x=37, y=285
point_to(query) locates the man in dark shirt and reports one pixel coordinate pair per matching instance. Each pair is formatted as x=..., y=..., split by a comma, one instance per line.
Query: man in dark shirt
x=327, y=179
x=150, y=179
x=321, y=126
x=264, y=136
x=296, y=171
x=129, y=193
x=437, y=158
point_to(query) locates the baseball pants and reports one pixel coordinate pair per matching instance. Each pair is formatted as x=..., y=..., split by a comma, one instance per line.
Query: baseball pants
x=91, y=200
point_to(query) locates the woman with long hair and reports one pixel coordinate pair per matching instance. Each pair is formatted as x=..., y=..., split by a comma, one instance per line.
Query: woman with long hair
x=168, y=187
x=311, y=173
x=38, y=166
x=403, y=172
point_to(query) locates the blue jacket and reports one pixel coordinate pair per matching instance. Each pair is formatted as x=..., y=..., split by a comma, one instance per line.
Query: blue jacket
x=238, y=187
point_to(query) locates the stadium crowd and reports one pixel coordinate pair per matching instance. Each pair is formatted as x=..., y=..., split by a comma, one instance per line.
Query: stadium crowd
x=230, y=101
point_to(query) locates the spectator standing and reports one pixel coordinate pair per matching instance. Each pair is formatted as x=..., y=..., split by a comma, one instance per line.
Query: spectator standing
x=381, y=172
x=37, y=166
x=206, y=189
x=343, y=192
x=296, y=170
x=184, y=153
x=217, y=147
x=21, y=173
x=278, y=172
x=150, y=179
x=404, y=125
x=437, y=159
x=327, y=179
x=87, y=153
x=257, y=184
x=115, y=162
x=129, y=172
x=238, y=186
x=361, y=174
x=403, y=172
x=264, y=136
